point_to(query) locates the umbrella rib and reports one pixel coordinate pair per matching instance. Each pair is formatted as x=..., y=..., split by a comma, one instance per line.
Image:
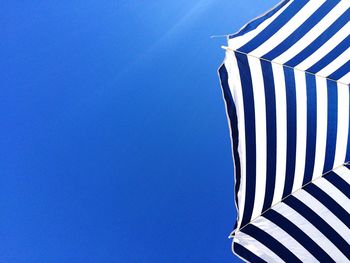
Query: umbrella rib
x=284, y=65
x=313, y=180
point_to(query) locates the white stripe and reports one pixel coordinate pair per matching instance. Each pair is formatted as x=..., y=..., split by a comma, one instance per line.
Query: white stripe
x=334, y=193
x=281, y=131
x=321, y=129
x=311, y=231
x=292, y=25
x=260, y=132
x=335, y=64
x=284, y=238
x=256, y=247
x=300, y=88
x=315, y=32
x=237, y=42
x=343, y=124
x=324, y=213
x=325, y=49
x=345, y=79
x=236, y=91
x=344, y=173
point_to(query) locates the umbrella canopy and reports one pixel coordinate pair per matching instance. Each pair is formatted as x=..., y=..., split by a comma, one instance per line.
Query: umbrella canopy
x=285, y=81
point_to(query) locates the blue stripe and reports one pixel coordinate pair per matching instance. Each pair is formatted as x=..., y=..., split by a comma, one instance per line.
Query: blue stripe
x=329, y=202
x=332, y=121
x=270, y=101
x=270, y=243
x=316, y=17
x=327, y=59
x=311, y=127
x=249, y=115
x=298, y=235
x=338, y=182
x=275, y=25
x=341, y=72
x=318, y=42
x=231, y=110
x=291, y=130
x=256, y=22
x=246, y=254
x=319, y=223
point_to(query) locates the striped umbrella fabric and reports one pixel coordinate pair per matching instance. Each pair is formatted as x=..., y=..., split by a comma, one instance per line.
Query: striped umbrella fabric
x=310, y=225
x=285, y=81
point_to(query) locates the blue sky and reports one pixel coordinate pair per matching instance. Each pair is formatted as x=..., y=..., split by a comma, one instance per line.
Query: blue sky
x=114, y=144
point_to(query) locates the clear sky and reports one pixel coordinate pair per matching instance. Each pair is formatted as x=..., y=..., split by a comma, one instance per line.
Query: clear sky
x=114, y=144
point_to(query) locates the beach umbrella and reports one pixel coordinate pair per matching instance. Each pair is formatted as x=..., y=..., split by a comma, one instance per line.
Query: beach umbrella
x=285, y=81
